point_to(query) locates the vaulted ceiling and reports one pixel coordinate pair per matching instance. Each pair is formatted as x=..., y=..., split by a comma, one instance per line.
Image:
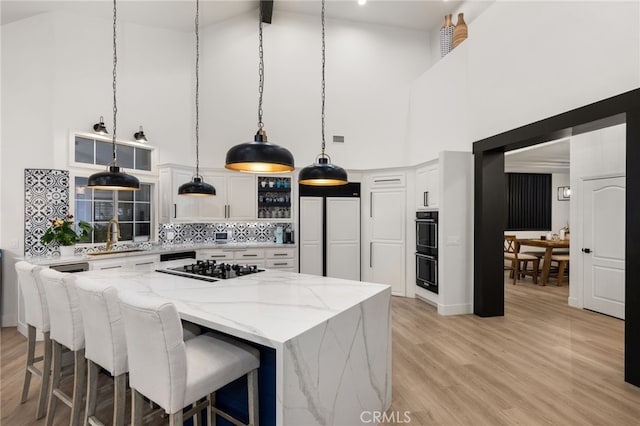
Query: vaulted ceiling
x=423, y=15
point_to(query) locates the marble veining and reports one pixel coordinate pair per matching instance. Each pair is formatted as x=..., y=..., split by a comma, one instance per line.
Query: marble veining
x=332, y=337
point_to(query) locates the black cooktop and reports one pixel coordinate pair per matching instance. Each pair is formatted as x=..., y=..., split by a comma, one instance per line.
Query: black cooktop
x=210, y=270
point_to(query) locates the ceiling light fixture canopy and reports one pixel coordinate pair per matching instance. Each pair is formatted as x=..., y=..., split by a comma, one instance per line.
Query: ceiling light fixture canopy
x=99, y=128
x=197, y=187
x=323, y=172
x=260, y=156
x=114, y=179
x=139, y=136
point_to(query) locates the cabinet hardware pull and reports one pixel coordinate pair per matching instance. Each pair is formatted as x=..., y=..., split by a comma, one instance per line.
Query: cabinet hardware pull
x=111, y=267
x=280, y=264
x=145, y=263
x=228, y=210
x=386, y=180
x=175, y=211
x=426, y=198
x=370, y=204
x=249, y=255
x=279, y=254
x=217, y=255
x=370, y=255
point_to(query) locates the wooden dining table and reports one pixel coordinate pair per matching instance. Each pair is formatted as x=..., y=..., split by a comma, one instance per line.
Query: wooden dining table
x=548, y=245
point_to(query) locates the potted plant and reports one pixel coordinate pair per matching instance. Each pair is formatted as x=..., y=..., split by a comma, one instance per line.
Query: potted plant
x=62, y=232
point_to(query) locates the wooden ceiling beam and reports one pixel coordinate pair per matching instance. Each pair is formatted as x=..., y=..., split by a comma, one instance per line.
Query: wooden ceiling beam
x=266, y=8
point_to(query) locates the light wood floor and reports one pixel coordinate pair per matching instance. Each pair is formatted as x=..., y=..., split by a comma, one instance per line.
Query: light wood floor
x=542, y=363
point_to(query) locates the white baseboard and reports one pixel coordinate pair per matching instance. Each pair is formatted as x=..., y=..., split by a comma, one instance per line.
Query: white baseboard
x=573, y=302
x=9, y=320
x=461, y=309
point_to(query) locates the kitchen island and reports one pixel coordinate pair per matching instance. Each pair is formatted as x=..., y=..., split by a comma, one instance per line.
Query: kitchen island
x=331, y=337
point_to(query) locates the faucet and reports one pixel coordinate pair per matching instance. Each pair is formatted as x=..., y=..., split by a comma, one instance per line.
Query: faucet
x=110, y=234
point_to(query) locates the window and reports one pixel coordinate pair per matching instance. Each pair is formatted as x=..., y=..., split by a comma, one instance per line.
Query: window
x=528, y=201
x=97, y=207
x=95, y=151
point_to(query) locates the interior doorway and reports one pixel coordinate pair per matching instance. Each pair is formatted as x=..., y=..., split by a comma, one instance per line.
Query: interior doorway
x=489, y=194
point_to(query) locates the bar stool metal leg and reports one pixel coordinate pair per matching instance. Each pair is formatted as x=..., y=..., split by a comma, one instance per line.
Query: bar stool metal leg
x=46, y=376
x=252, y=389
x=55, y=380
x=31, y=350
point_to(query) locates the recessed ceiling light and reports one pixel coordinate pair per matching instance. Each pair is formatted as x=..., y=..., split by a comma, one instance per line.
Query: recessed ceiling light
x=362, y=2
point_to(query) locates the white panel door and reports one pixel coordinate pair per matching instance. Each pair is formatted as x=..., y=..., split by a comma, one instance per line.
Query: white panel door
x=604, y=245
x=183, y=207
x=311, y=235
x=343, y=238
x=387, y=210
x=213, y=208
x=387, y=264
x=241, y=197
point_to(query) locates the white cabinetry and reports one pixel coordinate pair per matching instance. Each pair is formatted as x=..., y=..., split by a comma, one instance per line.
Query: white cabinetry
x=427, y=187
x=271, y=258
x=280, y=258
x=386, y=229
x=138, y=263
x=235, y=196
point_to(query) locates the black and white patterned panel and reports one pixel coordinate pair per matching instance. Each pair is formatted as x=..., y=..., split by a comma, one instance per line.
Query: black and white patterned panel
x=204, y=233
x=46, y=197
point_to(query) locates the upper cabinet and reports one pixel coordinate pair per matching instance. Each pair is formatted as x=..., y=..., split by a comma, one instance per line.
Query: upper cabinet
x=235, y=197
x=274, y=197
x=427, y=187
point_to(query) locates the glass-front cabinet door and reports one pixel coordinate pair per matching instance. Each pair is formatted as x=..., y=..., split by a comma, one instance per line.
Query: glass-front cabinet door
x=274, y=197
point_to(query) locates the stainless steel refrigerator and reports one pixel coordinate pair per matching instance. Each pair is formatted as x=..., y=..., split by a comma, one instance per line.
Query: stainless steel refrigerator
x=329, y=240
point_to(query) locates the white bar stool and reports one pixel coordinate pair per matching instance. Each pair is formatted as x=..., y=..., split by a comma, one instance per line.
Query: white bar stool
x=66, y=330
x=36, y=317
x=174, y=373
x=105, y=345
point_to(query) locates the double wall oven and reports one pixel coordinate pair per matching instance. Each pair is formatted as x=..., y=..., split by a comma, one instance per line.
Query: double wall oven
x=427, y=250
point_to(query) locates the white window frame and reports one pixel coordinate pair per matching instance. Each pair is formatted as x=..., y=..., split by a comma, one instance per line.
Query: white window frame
x=85, y=170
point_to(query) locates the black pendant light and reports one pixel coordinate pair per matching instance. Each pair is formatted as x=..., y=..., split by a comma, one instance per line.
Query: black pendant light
x=197, y=187
x=323, y=172
x=259, y=156
x=114, y=179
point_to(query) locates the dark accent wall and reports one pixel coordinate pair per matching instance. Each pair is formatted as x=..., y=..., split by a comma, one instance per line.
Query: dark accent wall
x=489, y=228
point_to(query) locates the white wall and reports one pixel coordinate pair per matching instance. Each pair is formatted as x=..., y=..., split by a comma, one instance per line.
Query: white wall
x=524, y=61
x=596, y=154
x=369, y=69
x=56, y=79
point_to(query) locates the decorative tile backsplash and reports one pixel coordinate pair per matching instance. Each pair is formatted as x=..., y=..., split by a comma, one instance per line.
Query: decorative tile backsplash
x=204, y=233
x=46, y=197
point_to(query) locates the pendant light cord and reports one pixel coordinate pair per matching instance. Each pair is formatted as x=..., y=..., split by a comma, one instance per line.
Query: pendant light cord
x=260, y=70
x=115, y=63
x=323, y=81
x=197, y=23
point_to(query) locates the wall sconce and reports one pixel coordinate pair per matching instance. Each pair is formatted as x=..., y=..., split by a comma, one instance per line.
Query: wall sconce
x=99, y=127
x=139, y=136
x=564, y=193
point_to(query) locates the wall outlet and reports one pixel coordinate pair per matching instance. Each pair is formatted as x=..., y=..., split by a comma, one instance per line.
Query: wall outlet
x=453, y=240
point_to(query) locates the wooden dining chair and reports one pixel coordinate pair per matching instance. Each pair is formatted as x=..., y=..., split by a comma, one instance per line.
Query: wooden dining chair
x=519, y=262
x=563, y=262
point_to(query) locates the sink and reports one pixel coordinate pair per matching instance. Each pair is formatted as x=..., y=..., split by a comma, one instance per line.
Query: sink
x=102, y=253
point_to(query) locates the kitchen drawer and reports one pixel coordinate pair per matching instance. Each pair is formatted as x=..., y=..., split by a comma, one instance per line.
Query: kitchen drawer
x=144, y=263
x=279, y=253
x=280, y=263
x=219, y=255
x=387, y=181
x=97, y=265
x=248, y=254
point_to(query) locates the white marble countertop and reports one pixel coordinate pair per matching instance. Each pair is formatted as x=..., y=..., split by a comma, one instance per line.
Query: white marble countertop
x=61, y=260
x=270, y=307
